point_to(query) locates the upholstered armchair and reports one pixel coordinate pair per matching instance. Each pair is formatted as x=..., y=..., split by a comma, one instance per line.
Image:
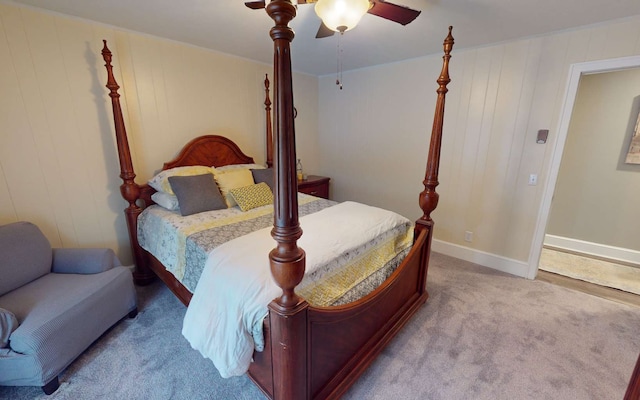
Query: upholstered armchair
x=54, y=303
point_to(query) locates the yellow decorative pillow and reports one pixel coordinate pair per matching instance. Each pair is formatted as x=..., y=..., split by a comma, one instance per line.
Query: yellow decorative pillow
x=252, y=196
x=160, y=182
x=232, y=179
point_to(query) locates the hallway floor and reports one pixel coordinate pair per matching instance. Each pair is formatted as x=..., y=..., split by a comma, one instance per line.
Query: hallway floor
x=600, y=272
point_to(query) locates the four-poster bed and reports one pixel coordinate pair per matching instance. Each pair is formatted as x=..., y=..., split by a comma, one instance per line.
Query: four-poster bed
x=309, y=351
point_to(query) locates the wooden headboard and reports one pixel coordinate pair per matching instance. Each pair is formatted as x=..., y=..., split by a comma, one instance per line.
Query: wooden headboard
x=210, y=150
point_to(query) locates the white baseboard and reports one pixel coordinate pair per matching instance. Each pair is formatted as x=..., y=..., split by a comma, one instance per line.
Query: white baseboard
x=508, y=265
x=626, y=256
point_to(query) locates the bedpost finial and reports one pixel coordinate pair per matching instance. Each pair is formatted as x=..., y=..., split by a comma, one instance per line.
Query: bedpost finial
x=267, y=83
x=106, y=53
x=112, y=85
x=448, y=42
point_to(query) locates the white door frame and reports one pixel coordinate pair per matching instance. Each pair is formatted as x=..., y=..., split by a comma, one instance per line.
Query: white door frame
x=575, y=72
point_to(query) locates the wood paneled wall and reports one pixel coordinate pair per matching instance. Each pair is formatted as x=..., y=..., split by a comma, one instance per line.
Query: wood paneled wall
x=58, y=160
x=500, y=96
x=58, y=165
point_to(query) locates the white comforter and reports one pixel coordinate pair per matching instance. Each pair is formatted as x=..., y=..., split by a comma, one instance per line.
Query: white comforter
x=225, y=316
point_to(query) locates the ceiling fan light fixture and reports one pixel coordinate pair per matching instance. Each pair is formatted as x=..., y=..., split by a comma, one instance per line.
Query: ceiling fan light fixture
x=341, y=15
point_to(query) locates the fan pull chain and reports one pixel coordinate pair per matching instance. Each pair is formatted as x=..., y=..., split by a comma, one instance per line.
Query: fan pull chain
x=339, y=66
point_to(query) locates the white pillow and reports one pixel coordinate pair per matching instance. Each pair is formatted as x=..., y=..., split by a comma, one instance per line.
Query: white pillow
x=166, y=200
x=160, y=182
x=239, y=166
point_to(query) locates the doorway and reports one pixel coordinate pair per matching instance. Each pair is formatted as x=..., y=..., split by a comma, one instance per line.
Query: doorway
x=577, y=71
x=592, y=232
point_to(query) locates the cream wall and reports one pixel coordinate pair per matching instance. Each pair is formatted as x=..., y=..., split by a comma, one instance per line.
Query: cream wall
x=374, y=135
x=58, y=160
x=596, y=196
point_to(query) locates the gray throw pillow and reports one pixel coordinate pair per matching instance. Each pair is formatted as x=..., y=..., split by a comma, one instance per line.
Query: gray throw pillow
x=197, y=193
x=264, y=175
x=8, y=324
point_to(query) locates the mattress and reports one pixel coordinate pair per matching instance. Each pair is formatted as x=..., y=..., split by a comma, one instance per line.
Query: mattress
x=183, y=244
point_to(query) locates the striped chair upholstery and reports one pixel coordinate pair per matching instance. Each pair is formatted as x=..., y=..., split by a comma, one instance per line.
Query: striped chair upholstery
x=62, y=299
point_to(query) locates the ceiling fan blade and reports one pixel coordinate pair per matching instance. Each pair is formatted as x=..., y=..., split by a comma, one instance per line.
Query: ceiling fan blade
x=255, y=5
x=324, y=31
x=393, y=12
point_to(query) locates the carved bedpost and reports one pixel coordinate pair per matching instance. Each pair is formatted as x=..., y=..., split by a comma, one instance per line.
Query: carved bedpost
x=129, y=189
x=429, y=197
x=269, y=125
x=633, y=390
x=288, y=313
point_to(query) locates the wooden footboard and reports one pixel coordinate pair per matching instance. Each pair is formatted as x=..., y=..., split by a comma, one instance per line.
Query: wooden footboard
x=342, y=341
x=358, y=332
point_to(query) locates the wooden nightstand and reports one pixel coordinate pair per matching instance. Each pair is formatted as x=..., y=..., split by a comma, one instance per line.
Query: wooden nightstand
x=315, y=185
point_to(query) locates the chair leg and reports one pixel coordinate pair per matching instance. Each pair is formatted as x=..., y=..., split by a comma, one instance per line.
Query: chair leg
x=51, y=386
x=133, y=313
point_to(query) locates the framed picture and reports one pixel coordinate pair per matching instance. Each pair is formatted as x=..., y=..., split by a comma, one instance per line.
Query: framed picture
x=633, y=156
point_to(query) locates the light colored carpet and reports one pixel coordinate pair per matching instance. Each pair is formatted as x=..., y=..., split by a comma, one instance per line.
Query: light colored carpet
x=592, y=270
x=482, y=335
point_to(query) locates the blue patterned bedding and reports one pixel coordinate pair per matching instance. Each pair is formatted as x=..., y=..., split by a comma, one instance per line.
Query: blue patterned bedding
x=182, y=244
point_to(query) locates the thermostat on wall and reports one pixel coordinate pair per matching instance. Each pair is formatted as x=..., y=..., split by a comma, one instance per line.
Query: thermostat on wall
x=542, y=136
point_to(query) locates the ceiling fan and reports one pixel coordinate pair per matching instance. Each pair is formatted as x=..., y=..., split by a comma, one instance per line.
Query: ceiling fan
x=393, y=12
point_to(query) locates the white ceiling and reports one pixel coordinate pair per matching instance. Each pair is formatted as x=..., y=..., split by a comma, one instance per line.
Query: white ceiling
x=228, y=26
